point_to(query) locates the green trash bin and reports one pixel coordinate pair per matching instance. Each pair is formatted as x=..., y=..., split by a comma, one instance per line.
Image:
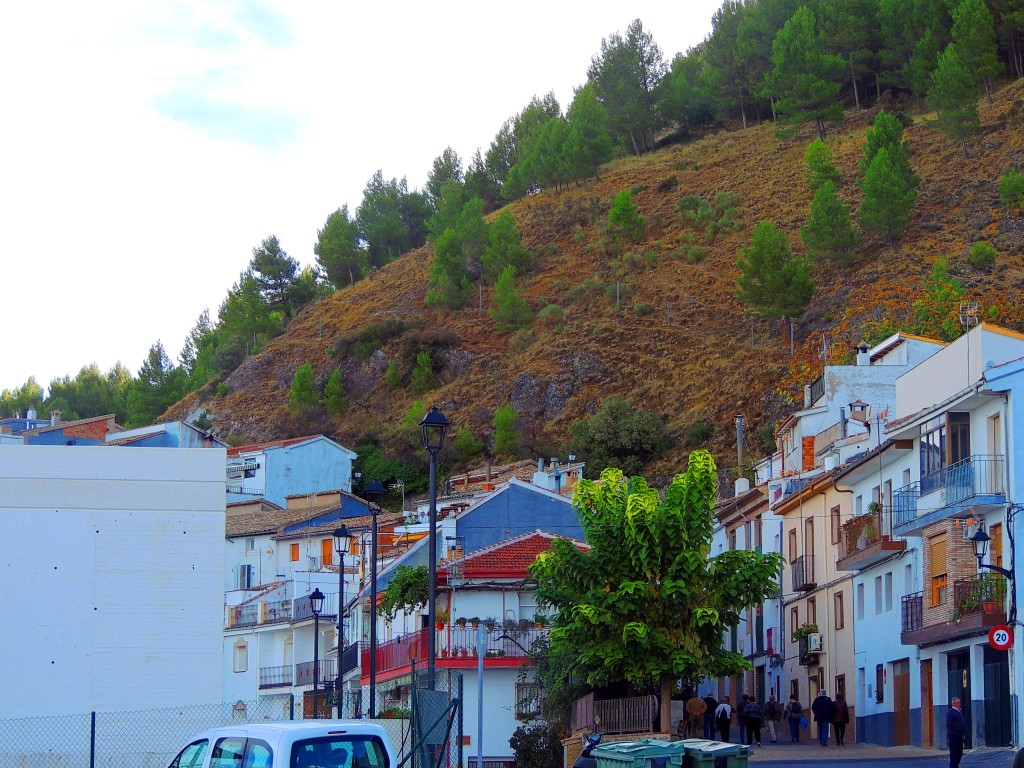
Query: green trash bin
x=646, y=753
x=714, y=754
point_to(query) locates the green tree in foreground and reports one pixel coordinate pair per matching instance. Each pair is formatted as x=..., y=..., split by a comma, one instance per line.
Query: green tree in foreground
x=624, y=221
x=647, y=603
x=619, y=436
x=303, y=397
x=507, y=434
x=773, y=283
x=828, y=232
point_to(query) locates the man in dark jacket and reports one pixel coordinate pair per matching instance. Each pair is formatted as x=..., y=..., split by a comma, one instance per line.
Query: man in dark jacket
x=956, y=727
x=709, y=716
x=823, y=709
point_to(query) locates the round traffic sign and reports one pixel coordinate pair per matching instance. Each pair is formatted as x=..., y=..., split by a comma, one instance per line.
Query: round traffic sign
x=1001, y=637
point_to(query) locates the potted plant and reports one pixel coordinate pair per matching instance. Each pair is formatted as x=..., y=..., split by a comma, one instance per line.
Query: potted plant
x=540, y=621
x=461, y=622
x=474, y=621
x=440, y=618
x=804, y=630
x=490, y=622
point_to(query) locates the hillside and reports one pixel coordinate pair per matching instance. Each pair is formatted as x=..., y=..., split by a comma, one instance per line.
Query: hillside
x=691, y=358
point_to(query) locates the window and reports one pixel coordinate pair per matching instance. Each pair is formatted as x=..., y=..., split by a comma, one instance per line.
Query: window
x=860, y=602
x=858, y=505
x=792, y=545
x=340, y=749
x=959, y=436
x=840, y=687
x=933, y=451
x=834, y=514
x=529, y=697
x=839, y=610
x=878, y=595
x=294, y=549
x=758, y=534
x=250, y=545
x=812, y=611
x=794, y=689
x=888, y=591
x=732, y=540
x=240, y=656
x=937, y=568
x=191, y=756
x=794, y=620
x=228, y=752
x=879, y=683
x=245, y=573
x=327, y=551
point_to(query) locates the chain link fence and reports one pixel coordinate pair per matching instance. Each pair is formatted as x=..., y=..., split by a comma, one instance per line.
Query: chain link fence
x=425, y=727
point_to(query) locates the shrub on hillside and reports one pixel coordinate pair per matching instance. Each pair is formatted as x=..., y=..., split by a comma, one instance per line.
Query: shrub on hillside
x=983, y=255
x=1011, y=189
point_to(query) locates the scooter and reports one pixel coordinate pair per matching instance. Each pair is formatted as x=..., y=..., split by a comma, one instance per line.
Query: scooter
x=585, y=760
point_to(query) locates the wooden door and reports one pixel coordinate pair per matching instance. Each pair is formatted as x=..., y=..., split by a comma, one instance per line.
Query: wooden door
x=959, y=687
x=927, y=724
x=901, y=702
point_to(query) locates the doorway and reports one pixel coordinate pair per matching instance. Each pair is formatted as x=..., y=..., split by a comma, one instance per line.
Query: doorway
x=997, y=698
x=901, y=702
x=927, y=717
x=959, y=682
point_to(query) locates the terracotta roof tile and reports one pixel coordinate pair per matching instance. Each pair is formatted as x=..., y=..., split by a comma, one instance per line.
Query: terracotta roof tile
x=272, y=444
x=510, y=558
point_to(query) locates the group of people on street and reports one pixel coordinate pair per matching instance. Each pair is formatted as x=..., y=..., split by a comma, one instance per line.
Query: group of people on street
x=825, y=712
x=706, y=717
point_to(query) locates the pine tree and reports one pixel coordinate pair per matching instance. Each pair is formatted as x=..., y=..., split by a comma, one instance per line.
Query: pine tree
x=954, y=97
x=887, y=131
x=624, y=221
x=974, y=35
x=423, y=378
x=504, y=248
x=334, y=394
x=510, y=311
x=888, y=199
x=304, y=397
x=829, y=232
x=507, y=434
x=772, y=282
x=820, y=167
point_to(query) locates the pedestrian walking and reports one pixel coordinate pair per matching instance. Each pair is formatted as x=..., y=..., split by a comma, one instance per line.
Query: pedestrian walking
x=842, y=717
x=741, y=717
x=772, y=713
x=695, y=709
x=823, y=710
x=794, y=711
x=709, y=716
x=723, y=717
x=752, y=714
x=956, y=727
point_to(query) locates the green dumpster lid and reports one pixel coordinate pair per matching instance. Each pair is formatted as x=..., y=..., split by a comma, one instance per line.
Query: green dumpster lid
x=702, y=747
x=640, y=748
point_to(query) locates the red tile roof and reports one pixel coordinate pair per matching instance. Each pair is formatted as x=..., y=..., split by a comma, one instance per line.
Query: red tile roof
x=272, y=444
x=510, y=558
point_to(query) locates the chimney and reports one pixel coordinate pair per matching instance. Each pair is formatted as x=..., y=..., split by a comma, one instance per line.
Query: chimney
x=54, y=418
x=31, y=415
x=740, y=424
x=863, y=356
x=742, y=485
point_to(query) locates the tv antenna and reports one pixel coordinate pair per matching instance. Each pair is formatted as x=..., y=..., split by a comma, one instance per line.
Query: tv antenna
x=969, y=313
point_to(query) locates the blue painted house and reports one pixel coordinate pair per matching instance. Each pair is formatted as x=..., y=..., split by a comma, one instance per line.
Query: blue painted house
x=174, y=434
x=283, y=468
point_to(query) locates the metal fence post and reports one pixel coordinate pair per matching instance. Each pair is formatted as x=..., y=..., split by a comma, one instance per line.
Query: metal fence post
x=92, y=740
x=291, y=706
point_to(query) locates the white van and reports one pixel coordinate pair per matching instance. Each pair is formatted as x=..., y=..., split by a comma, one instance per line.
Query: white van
x=293, y=744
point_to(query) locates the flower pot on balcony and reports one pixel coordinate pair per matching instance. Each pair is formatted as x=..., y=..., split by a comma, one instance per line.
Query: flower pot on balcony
x=439, y=625
x=988, y=606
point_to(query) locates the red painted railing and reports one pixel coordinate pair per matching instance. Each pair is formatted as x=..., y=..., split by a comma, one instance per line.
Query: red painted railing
x=397, y=653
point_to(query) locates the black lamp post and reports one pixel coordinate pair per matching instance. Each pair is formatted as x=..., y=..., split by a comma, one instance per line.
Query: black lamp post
x=316, y=605
x=373, y=491
x=342, y=540
x=434, y=426
x=980, y=540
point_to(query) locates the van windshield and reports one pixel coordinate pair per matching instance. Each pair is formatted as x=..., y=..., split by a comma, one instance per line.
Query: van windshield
x=340, y=751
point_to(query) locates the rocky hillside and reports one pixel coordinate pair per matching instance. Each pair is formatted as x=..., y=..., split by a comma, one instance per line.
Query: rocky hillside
x=678, y=344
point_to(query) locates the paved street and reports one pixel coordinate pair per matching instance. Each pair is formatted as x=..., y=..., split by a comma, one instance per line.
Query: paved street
x=868, y=756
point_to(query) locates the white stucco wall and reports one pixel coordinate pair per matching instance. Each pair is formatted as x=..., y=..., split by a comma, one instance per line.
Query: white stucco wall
x=114, y=580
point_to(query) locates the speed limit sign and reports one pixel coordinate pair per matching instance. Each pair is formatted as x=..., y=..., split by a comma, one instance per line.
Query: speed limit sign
x=1000, y=638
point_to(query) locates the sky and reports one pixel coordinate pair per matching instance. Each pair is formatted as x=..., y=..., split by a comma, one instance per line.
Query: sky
x=147, y=147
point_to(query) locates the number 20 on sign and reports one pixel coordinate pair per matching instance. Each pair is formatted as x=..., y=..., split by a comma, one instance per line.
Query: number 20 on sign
x=1000, y=638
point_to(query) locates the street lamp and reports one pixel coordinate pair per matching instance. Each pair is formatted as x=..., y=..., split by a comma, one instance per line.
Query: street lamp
x=434, y=425
x=316, y=605
x=342, y=540
x=374, y=491
x=980, y=541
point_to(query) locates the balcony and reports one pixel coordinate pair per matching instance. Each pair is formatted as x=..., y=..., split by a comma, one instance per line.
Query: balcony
x=276, y=677
x=301, y=609
x=304, y=671
x=633, y=715
x=867, y=539
x=456, y=648
x=974, y=606
x=807, y=657
x=802, y=570
x=973, y=485
x=349, y=659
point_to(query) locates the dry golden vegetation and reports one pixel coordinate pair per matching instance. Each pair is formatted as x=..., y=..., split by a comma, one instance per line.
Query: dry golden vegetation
x=691, y=358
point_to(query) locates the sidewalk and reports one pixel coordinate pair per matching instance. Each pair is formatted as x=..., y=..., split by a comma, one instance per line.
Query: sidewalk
x=809, y=752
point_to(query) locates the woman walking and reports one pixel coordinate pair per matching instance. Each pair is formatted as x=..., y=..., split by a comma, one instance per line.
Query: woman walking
x=723, y=717
x=793, y=713
x=841, y=718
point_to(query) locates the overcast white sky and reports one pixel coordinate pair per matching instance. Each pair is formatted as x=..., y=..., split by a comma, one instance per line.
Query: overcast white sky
x=148, y=146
